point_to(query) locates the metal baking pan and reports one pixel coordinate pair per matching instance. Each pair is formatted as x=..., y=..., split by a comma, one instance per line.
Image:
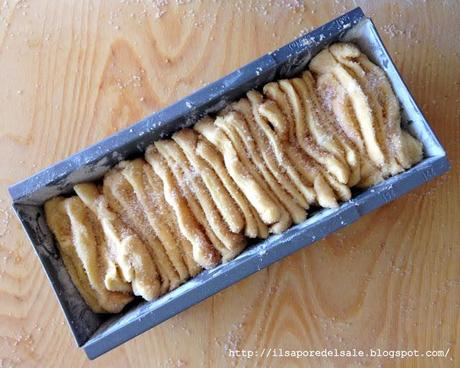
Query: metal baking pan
x=98, y=334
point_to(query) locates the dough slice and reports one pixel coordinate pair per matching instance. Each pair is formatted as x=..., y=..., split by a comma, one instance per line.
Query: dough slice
x=330, y=134
x=133, y=171
x=254, y=227
x=386, y=106
x=60, y=226
x=112, y=275
x=309, y=172
x=132, y=256
x=234, y=127
x=187, y=139
x=345, y=56
x=204, y=252
x=296, y=93
x=285, y=170
x=231, y=125
x=323, y=63
x=89, y=252
x=154, y=188
x=256, y=123
x=113, y=278
x=121, y=198
x=256, y=194
x=229, y=244
x=336, y=100
x=331, y=168
x=243, y=119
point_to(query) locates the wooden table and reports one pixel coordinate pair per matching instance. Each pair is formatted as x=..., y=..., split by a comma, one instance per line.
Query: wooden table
x=73, y=72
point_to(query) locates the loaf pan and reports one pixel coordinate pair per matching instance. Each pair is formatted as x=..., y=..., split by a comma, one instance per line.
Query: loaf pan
x=98, y=333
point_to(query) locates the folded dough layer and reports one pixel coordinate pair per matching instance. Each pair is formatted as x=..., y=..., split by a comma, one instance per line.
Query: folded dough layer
x=133, y=257
x=204, y=253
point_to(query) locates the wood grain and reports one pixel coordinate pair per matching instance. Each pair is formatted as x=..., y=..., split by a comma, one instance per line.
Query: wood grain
x=73, y=72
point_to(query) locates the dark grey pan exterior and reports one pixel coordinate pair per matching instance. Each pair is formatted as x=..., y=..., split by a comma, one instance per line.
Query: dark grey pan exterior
x=98, y=334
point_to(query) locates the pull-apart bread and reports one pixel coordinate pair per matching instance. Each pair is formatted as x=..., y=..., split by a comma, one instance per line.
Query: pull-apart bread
x=253, y=170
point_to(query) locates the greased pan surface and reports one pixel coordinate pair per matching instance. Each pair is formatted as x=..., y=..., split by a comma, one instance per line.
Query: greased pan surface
x=99, y=333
